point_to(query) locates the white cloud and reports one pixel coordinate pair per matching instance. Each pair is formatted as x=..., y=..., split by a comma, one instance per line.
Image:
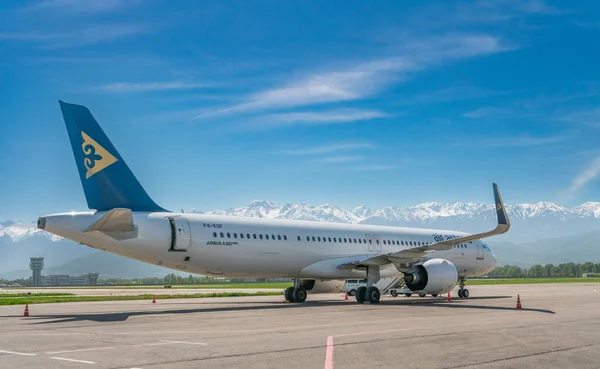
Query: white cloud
x=150, y=86
x=526, y=141
x=339, y=159
x=487, y=112
x=327, y=149
x=376, y=167
x=77, y=37
x=587, y=117
x=78, y=7
x=366, y=78
x=319, y=118
x=481, y=12
x=588, y=174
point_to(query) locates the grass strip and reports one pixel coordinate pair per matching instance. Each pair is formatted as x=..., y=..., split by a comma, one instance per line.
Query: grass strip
x=483, y=282
x=74, y=298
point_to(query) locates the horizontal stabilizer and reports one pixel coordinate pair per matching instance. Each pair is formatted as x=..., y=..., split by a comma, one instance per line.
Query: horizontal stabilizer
x=116, y=223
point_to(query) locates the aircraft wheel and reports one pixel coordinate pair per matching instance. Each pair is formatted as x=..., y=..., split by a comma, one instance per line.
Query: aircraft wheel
x=465, y=293
x=408, y=294
x=360, y=294
x=373, y=295
x=394, y=293
x=289, y=294
x=434, y=294
x=299, y=294
x=352, y=293
x=421, y=295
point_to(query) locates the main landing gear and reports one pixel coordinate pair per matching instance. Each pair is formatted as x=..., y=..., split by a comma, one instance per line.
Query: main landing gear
x=296, y=293
x=371, y=293
x=462, y=291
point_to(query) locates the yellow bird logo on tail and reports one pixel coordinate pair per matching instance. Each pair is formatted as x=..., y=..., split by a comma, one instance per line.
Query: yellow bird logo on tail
x=96, y=158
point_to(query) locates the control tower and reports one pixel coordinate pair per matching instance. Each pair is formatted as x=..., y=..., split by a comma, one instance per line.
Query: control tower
x=36, y=265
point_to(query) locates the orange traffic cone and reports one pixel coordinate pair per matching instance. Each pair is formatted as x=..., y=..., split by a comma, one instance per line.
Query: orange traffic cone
x=346, y=298
x=449, y=299
x=154, y=299
x=519, y=302
x=26, y=313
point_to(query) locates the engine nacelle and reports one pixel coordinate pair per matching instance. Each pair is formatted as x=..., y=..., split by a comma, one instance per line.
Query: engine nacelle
x=322, y=286
x=435, y=276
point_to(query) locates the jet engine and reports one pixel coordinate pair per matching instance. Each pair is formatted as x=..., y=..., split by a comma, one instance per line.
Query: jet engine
x=322, y=285
x=435, y=276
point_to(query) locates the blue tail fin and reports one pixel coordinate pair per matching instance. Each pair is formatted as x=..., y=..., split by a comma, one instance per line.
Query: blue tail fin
x=107, y=181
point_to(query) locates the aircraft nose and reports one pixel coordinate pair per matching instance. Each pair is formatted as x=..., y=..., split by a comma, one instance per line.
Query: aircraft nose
x=41, y=223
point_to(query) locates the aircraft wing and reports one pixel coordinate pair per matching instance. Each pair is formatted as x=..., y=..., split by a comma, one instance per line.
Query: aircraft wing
x=409, y=256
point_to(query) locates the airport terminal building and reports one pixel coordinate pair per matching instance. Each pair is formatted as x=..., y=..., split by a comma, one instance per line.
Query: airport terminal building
x=89, y=279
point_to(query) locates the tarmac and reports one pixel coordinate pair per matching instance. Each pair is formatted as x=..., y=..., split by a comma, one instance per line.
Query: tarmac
x=558, y=327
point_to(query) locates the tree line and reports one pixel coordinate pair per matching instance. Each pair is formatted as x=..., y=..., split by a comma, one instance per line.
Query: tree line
x=548, y=270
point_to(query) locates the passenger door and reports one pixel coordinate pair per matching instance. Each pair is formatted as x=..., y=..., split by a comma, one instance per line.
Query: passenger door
x=181, y=237
x=480, y=253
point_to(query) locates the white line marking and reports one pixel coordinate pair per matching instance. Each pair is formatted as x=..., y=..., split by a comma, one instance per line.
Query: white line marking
x=81, y=350
x=16, y=353
x=184, y=342
x=73, y=360
x=329, y=354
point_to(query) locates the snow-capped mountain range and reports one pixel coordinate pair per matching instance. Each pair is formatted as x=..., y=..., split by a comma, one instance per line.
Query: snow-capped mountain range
x=426, y=213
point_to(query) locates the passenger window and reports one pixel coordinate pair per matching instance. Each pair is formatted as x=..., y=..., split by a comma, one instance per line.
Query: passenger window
x=313, y=238
x=260, y=236
x=334, y=239
x=254, y=235
x=235, y=235
x=273, y=237
x=329, y=239
x=285, y=238
x=222, y=235
x=319, y=239
x=384, y=242
x=228, y=235
x=307, y=238
x=267, y=236
x=279, y=237
x=345, y=240
x=298, y=238
x=370, y=241
x=248, y=235
x=215, y=234
x=241, y=235
x=355, y=241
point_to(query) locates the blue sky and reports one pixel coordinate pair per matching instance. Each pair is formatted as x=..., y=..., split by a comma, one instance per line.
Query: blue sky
x=214, y=104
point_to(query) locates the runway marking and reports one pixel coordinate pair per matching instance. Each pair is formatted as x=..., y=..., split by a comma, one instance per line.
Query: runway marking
x=329, y=354
x=329, y=351
x=185, y=342
x=80, y=350
x=16, y=353
x=73, y=360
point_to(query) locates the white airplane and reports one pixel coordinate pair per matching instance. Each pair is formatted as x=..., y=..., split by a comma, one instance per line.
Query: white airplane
x=317, y=256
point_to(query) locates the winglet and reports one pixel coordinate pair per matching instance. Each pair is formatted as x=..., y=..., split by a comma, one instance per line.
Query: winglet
x=501, y=213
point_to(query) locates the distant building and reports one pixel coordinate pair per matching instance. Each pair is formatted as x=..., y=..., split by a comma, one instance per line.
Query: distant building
x=89, y=279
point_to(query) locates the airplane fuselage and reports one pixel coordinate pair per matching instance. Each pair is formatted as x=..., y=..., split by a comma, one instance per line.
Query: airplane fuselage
x=253, y=247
